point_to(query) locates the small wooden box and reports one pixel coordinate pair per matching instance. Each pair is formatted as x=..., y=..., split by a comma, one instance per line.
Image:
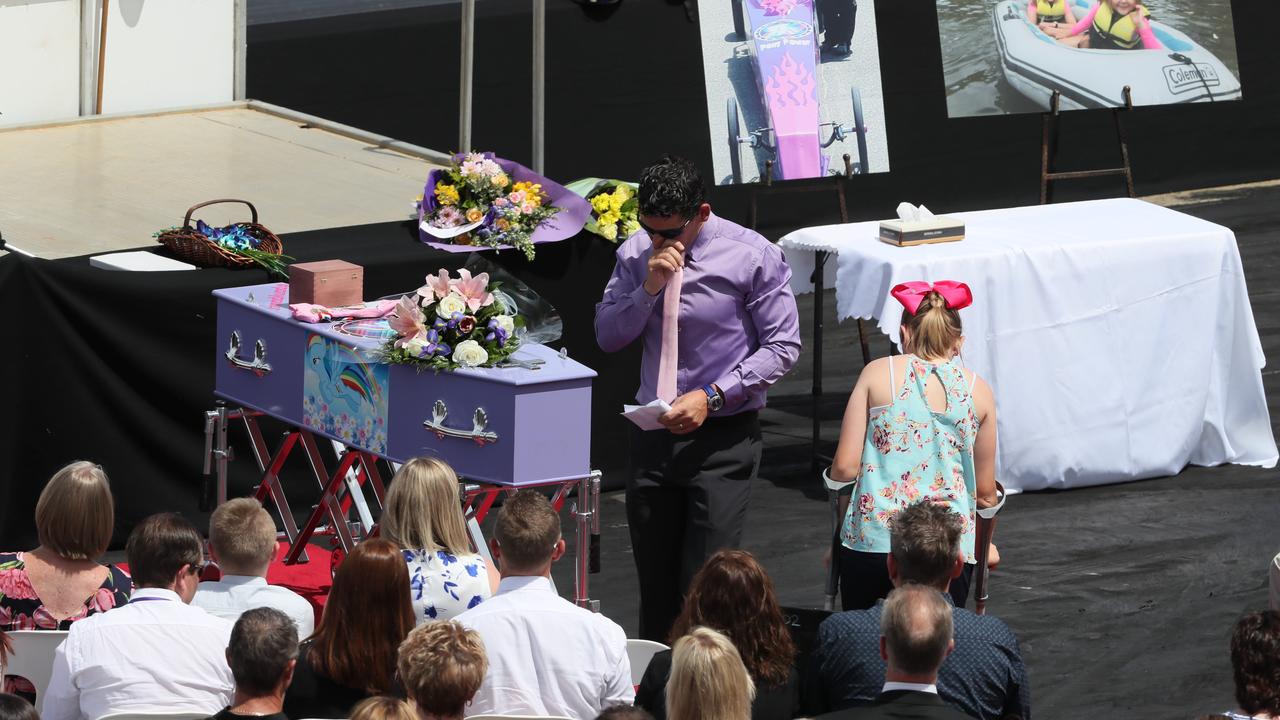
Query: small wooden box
x=332, y=283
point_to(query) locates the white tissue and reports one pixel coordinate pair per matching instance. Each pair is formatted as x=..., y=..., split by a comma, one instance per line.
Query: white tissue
x=909, y=213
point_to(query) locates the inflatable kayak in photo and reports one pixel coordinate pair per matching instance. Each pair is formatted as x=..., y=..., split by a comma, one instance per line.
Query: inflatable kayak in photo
x=1036, y=65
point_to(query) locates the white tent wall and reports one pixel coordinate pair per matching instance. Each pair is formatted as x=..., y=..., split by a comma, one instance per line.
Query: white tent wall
x=168, y=53
x=159, y=54
x=39, y=60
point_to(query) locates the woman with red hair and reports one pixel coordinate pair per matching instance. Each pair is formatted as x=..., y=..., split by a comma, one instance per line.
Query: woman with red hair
x=734, y=595
x=352, y=654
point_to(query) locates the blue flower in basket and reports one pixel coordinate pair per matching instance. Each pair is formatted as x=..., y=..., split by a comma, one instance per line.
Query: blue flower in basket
x=234, y=237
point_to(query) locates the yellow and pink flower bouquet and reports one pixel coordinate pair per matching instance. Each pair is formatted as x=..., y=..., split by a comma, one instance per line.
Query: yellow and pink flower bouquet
x=482, y=201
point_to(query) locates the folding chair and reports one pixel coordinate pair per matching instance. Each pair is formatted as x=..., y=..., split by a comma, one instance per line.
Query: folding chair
x=640, y=653
x=32, y=658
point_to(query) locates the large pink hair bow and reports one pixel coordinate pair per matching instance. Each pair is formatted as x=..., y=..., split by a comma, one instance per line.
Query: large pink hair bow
x=956, y=294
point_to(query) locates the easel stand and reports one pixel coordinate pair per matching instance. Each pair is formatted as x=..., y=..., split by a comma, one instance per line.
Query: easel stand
x=357, y=469
x=833, y=184
x=1049, y=149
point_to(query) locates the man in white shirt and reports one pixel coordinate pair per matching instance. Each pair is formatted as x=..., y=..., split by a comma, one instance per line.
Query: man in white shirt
x=915, y=637
x=546, y=655
x=155, y=654
x=242, y=541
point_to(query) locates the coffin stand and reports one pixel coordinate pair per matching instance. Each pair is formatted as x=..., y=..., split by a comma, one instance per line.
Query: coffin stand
x=528, y=423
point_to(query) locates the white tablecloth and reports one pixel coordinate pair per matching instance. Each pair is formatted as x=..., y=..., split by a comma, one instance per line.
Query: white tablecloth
x=1116, y=334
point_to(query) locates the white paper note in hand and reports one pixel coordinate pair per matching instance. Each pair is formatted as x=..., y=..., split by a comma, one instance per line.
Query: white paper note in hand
x=646, y=416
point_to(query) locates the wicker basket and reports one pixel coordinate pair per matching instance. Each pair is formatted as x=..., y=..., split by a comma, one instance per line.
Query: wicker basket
x=194, y=246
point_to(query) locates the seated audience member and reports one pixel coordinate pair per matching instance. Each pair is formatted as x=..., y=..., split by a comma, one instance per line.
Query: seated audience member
x=262, y=654
x=624, y=712
x=985, y=676
x=915, y=637
x=546, y=655
x=13, y=707
x=734, y=594
x=423, y=516
x=61, y=581
x=242, y=541
x=441, y=665
x=708, y=680
x=352, y=654
x=1275, y=583
x=1255, y=661
x=384, y=707
x=155, y=654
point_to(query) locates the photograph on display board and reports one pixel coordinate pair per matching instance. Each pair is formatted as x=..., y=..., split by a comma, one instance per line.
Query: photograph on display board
x=793, y=86
x=1009, y=56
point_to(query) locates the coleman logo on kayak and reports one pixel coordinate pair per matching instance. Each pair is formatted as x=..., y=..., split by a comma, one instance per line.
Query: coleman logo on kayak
x=1185, y=78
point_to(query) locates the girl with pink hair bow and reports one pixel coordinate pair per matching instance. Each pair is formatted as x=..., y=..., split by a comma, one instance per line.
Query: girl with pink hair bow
x=919, y=427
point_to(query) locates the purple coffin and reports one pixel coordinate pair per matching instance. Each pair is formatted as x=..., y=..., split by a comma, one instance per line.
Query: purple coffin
x=511, y=426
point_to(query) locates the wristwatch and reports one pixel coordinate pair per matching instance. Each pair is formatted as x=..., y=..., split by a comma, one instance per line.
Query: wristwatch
x=715, y=398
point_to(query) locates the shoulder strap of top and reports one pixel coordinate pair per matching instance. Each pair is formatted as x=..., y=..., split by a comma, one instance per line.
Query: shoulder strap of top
x=893, y=386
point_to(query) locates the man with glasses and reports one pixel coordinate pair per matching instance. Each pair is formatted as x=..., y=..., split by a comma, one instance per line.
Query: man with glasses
x=711, y=303
x=157, y=654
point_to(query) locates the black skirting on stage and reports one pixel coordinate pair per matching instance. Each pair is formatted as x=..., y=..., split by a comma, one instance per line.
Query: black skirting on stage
x=117, y=367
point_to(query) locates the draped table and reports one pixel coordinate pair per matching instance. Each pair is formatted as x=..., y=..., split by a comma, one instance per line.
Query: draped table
x=1117, y=335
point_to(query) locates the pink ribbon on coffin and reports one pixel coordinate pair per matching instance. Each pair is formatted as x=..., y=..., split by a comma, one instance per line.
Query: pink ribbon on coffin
x=956, y=294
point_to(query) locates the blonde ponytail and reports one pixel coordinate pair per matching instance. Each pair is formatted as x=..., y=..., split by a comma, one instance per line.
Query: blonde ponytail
x=935, y=328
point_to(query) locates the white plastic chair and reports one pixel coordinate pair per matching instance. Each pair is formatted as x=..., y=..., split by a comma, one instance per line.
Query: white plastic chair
x=32, y=657
x=640, y=653
x=170, y=715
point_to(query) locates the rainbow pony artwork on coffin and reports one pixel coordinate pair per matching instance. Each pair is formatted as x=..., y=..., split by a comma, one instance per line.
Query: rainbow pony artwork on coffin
x=345, y=394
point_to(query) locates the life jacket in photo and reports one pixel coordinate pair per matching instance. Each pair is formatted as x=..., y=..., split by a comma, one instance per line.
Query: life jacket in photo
x=1114, y=32
x=1051, y=10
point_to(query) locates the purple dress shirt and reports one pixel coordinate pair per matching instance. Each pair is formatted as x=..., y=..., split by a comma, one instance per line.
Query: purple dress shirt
x=739, y=327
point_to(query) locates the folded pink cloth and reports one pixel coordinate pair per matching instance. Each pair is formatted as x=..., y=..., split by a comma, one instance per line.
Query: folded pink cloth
x=306, y=312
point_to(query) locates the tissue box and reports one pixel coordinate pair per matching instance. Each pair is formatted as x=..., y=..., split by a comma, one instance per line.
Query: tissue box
x=332, y=283
x=938, y=229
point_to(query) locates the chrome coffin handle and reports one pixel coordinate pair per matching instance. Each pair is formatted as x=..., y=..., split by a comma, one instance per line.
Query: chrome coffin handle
x=258, y=365
x=477, y=433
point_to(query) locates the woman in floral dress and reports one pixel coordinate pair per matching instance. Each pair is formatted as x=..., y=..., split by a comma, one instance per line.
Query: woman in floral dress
x=60, y=581
x=423, y=516
x=918, y=427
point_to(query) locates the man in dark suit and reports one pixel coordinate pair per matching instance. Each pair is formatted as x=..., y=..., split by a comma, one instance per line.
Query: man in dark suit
x=915, y=637
x=985, y=676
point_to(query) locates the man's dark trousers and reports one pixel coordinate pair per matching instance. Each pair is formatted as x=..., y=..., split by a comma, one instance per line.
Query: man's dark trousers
x=687, y=498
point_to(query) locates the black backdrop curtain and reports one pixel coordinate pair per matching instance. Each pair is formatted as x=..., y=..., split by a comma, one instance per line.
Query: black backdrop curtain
x=625, y=84
x=117, y=367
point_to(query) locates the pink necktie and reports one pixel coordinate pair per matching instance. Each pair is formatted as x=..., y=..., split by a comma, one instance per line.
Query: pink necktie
x=670, y=338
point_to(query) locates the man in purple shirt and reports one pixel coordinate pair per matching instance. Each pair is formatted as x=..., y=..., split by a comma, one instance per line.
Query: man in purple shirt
x=737, y=334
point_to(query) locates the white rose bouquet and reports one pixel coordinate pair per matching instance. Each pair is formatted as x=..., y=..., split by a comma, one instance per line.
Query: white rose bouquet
x=453, y=322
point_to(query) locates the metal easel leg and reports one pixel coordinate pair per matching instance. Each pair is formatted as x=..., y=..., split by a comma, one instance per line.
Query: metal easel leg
x=815, y=395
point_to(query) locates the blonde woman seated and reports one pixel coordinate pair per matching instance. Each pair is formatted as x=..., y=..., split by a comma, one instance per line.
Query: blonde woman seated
x=708, y=680
x=423, y=516
x=61, y=581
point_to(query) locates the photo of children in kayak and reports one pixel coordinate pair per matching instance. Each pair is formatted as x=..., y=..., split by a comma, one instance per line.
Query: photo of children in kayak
x=1010, y=56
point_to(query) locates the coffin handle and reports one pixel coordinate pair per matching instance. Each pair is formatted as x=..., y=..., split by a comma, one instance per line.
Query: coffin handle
x=258, y=365
x=477, y=433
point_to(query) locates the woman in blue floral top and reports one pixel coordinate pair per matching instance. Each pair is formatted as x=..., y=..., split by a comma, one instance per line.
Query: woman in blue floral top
x=918, y=427
x=60, y=581
x=423, y=516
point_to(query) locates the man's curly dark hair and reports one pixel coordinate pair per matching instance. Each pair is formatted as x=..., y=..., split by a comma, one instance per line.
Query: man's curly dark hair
x=671, y=186
x=1255, y=659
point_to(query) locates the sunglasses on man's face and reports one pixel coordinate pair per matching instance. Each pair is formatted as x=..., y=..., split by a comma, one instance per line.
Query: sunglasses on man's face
x=669, y=233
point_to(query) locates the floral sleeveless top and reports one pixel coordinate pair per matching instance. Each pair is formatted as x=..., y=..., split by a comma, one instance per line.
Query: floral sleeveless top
x=913, y=453
x=21, y=609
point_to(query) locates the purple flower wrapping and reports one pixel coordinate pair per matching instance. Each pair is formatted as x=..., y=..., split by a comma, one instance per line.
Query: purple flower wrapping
x=573, y=215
